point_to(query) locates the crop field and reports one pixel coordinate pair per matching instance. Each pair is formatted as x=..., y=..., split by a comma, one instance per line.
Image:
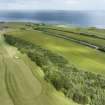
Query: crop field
x=81, y=56
x=22, y=82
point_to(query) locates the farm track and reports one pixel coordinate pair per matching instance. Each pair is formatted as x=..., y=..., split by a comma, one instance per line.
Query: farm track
x=18, y=86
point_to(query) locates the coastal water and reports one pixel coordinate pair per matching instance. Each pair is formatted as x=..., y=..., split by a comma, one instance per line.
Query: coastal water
x=75, y=18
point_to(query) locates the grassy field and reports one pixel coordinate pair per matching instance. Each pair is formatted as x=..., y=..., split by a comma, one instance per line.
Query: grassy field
x=25, y=81
x=79, y=55
x=91, y=40
x=88, y=30
x=22, y=82
x=94, y=39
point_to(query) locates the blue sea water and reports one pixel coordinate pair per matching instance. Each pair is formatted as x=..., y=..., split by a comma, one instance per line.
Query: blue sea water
x=75, y=18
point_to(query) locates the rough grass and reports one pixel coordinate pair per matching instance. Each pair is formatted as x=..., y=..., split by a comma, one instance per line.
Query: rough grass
x=81, y=56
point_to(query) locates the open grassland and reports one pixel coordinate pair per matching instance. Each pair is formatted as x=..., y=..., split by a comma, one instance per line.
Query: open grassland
x=92, y=39
x=81, y=56
x=86, y=30
x=22, y=82
x=86, y=38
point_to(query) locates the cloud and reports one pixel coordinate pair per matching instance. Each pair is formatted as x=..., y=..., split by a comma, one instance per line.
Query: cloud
x=53, y=4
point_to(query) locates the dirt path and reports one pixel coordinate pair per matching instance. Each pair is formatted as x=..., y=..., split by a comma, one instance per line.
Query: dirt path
x=18, y=86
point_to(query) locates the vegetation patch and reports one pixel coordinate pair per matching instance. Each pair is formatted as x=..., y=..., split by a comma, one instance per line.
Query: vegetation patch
x=80, y=86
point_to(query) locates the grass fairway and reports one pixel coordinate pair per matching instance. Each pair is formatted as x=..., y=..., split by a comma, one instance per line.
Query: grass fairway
x=22, y=83
x=81, y=56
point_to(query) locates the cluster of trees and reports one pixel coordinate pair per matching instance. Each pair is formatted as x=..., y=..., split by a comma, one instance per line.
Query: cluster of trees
x=80, y=86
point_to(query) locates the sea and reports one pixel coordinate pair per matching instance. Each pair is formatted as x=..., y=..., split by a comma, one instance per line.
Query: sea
x=72, y=18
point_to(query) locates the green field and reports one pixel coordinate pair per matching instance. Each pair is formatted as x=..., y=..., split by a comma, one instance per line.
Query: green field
x=81, y=56
x=48, y=69
x=22, y=82
x=91, y=40
x=88, y=30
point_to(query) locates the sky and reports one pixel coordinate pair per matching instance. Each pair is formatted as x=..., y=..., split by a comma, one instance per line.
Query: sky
x=52, y=4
